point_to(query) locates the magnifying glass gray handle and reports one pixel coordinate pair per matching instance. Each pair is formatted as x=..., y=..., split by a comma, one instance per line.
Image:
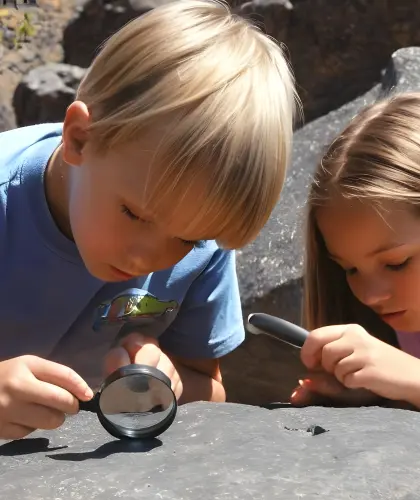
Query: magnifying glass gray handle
x=280, y=329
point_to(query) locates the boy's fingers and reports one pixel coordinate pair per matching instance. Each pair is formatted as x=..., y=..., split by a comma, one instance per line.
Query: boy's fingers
x=51, y=396
x=14, y=431
x=37, y=417
x=148, y=355
x=134, y=342
x=60, y=376
x=116, y=358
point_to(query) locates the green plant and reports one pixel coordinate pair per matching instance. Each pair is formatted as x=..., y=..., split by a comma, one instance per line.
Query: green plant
x=24, y=30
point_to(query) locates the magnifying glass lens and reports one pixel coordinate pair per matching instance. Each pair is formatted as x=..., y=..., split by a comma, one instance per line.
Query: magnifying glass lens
x=136, y=403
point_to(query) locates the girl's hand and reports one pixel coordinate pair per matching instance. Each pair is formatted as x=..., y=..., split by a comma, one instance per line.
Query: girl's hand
x=321, y=388
x=360, y=361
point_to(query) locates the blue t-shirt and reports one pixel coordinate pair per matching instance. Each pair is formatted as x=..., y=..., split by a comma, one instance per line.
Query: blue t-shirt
x=51, y=306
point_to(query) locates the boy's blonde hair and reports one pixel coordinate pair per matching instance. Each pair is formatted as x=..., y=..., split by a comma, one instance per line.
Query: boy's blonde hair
x=375, y=159
x=227, y=95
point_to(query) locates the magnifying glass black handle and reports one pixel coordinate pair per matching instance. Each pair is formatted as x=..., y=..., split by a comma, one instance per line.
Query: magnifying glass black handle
x=280, y=329
x=91, y=405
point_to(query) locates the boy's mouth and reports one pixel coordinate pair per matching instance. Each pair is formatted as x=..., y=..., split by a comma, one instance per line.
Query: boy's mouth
x=121, y=274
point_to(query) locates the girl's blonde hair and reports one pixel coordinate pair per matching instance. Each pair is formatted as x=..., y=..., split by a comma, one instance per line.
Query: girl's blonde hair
x=225, y=92
x=375, y=159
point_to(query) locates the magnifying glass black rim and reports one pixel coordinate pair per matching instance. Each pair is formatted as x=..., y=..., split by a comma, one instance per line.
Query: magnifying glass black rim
x=119, y=431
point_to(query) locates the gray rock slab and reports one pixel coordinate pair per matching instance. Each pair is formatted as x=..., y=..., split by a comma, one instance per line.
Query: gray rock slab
x=224, y=451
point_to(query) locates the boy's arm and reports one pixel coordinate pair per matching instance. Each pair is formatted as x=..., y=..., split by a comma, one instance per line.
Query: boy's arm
x=209, y=325
x=201, y=379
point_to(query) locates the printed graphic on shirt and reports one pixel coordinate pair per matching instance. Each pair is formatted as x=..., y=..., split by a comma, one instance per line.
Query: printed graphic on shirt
x=131, y=305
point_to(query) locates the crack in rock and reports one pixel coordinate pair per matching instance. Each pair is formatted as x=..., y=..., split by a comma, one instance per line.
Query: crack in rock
x=314, y=430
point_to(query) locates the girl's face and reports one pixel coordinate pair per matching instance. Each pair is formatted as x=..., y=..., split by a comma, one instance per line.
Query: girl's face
x=380, y=254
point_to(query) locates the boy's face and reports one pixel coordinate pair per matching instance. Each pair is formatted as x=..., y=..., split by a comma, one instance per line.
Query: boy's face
x=117, y=237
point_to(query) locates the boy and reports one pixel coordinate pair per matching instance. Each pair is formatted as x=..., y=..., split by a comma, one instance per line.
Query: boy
x=178, y=138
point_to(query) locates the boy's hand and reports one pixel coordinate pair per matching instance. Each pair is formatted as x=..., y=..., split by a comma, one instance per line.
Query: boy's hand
x=136, y=348
x=36, y=394
x=360, y=361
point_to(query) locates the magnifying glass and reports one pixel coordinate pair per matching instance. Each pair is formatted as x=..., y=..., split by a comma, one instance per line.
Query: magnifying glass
x=280, y=329
x=135, y=401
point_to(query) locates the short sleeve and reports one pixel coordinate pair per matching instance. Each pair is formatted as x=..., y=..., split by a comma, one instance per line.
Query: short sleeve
x=209, y=323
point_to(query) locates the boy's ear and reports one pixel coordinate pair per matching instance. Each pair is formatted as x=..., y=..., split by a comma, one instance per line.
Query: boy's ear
x=75, y=133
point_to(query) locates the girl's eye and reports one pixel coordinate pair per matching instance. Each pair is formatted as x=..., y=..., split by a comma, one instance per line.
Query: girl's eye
x=397, y=267
x=350, y=272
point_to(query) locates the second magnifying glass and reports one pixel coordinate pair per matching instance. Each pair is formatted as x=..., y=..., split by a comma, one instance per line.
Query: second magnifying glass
x=280, y=329
x=135, y=401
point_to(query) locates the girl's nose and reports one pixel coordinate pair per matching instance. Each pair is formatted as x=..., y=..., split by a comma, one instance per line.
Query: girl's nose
x=374, y=293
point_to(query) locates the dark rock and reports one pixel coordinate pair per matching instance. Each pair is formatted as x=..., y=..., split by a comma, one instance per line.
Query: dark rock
x=270, y=269
x=334, y=42
x=44, y=46
x=219, y=451
x=44, y=93
x=328, y=42
x=315, y=430
x=96, y=21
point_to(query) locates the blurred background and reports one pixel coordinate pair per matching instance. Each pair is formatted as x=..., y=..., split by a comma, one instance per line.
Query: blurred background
x=344, y=53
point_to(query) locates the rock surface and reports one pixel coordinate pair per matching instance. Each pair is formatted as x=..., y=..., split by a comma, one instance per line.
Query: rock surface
x=97, y=21
x=328, y=42
x=270, y=269
x=224, y=451
x=335, y=42
x=42, y=47
x=45, y=92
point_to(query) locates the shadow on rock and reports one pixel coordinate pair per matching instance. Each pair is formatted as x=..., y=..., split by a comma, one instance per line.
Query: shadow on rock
x=27, y=447
x=108, y=449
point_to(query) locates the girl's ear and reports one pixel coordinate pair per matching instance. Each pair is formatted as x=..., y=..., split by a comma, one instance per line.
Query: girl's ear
x=75, y=133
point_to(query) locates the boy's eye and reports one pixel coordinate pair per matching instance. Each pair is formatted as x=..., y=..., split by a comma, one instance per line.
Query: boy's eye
x=125, y=210
x=195, y=244
x=397, y=267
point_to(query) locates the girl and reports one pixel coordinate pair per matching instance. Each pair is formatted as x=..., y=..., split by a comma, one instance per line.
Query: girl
x=362, y=275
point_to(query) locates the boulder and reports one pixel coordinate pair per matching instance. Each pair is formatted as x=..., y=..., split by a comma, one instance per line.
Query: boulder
x=41, y=47
x=95, y=21
x=45, y=92
x=222, y=451
x=270, y=269
x=328, y=42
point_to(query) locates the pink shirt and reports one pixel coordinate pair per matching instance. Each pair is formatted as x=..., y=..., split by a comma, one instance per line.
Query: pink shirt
x=410, y=342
